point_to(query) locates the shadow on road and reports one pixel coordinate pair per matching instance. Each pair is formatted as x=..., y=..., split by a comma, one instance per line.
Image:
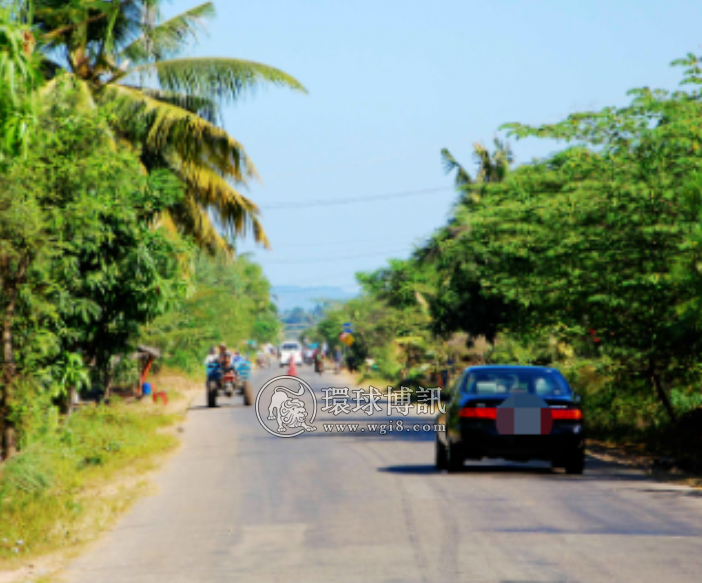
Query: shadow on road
x=669, y=493
x=596, y=470
x=206, y=408
x=370, y=435
x=411, y=469
x=469, y=469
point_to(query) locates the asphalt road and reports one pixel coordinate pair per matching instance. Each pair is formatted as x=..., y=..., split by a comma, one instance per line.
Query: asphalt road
x=238, y=504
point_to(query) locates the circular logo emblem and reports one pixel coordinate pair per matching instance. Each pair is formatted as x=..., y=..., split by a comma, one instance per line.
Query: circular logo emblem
x=286, y=407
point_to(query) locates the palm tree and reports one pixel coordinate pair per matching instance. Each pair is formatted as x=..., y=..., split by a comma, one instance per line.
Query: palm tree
x=19, y=78
x=491, y=167
x=124, y=58
x=463, y=178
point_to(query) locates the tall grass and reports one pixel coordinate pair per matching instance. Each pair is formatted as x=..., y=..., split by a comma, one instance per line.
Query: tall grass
x=55, y=493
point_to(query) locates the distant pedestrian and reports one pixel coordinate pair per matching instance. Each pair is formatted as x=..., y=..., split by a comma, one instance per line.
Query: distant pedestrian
x=318, y=361
x=338, y=359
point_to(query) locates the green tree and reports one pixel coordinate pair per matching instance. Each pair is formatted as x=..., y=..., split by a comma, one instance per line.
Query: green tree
x=459, y=303
x=83, y=267
x=492, y=166
x=124, y=58
x=229, y=301
x=605, y=236
x=71, y=375
x=19, y=77
x=22, y=243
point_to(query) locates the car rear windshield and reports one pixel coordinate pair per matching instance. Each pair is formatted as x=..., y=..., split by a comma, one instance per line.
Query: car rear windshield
x=291, y=346
x=505, y=381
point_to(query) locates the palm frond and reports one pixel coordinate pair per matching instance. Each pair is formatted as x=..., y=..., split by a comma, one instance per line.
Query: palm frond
x=192, y=220
x=169, y=127
x=205, y=108
x=236, y=214
x=503, y=150
x=215, y=78
x=68, y=86
x=484, y=162
x=451, y=164
x=168, y=38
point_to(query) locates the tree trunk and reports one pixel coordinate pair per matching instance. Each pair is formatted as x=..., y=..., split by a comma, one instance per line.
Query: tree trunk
x=9, y=371
x=662, y=394
x=71, y=402
x=107, y=377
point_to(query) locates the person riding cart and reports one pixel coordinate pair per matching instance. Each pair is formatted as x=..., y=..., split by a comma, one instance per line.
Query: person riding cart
x=227, y=374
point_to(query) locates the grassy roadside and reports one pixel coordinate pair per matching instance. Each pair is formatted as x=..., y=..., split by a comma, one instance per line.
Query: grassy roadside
x=72, y=483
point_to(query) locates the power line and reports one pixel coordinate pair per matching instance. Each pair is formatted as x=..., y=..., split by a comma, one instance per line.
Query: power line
x=351, y=164
x=336, y=258
x=348, y=242
x=354, y=200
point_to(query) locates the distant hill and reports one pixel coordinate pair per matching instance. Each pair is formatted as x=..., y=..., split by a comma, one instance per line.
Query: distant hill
x=288, y=297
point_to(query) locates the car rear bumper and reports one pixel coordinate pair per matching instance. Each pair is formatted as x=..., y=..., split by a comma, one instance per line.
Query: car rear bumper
x=480, y=439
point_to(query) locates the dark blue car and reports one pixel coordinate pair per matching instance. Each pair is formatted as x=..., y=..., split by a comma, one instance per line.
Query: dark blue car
x=516, y=413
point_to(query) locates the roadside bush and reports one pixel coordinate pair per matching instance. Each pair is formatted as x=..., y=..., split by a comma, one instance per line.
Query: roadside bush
x=47, y=493
x=126, y=372
x=34, y=413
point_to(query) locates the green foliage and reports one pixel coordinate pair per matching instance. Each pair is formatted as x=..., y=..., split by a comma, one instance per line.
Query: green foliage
x=230, y=302
x=394, y=337
x=125, y=59
x=43, y=502
x=95, y=171
x=19, y=78
x=33, y=413
x=110, y=270
x=82, y=264
x=126, y=372
x=589, y=260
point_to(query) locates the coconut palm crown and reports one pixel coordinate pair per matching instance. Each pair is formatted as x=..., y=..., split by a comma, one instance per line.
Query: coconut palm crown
x=125, y=58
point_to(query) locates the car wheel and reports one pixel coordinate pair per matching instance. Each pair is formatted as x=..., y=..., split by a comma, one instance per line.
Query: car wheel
x=455, y=458
x=441, y=456
x=575, y=463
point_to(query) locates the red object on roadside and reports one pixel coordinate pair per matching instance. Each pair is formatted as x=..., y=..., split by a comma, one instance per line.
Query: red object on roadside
x=292, y=369
x=158, y=394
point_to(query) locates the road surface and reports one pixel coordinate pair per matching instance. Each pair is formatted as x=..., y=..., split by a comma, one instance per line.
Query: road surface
x=238, y=504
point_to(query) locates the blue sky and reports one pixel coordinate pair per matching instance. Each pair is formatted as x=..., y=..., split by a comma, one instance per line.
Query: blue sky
x=391, y=82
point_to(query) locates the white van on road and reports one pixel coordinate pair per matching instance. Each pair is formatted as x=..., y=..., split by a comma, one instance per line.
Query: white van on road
x=290, y=350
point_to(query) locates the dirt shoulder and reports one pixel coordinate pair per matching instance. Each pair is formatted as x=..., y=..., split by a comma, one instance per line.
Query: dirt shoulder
x=89, y=480
x=635, y=456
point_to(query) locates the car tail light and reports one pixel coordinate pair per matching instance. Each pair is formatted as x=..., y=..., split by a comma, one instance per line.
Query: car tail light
x=566, y=414
x=479, y=413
